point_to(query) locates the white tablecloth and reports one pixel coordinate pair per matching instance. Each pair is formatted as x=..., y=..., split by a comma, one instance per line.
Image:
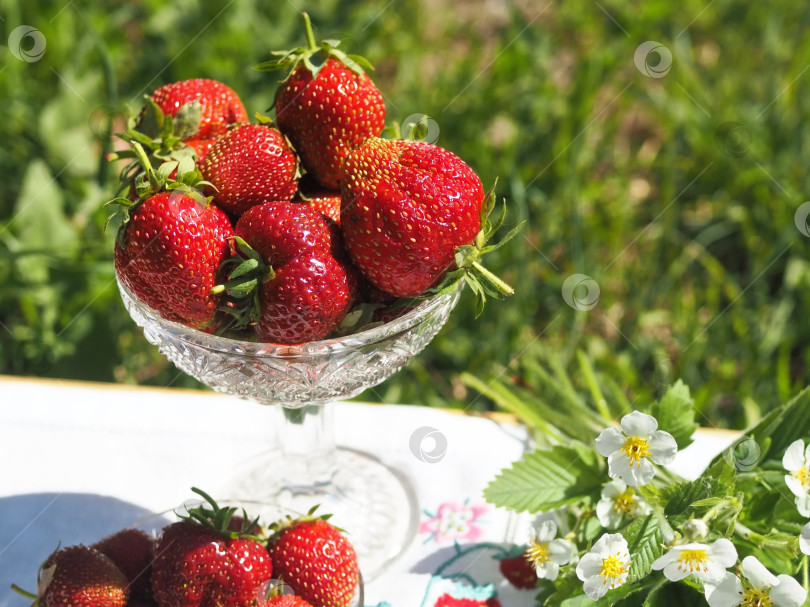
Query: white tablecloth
x=81, y=461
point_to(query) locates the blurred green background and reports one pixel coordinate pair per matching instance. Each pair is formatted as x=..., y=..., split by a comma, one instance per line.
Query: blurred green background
x=674, y=191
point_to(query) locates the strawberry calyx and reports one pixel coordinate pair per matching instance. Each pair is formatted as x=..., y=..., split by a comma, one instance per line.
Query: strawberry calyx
x=244, y=272
x=469, y=268
x=293, y=58
x=150, y=181
x=164, y=136
x=277, y=528
x=221, y=520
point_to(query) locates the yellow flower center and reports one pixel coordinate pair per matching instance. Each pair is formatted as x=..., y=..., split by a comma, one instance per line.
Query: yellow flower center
x=537, y=553
x=693, y=560
x=625, y=502
x=635, y=448
x=755, y=597
x=803, y=474
x=612, y=568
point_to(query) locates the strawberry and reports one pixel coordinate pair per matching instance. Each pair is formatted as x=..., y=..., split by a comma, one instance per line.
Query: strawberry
x=303, y=286
x=316, y=560
x=199, y=563
x=287, y=600
x=220, y=106
x=132, y=551
x=251, y=164
x=519, y=571
x=412, y=212
x=448, y=601
x=326, y=110
x=80, y=577
x=201, y=147
x=169, y=249
x=327, y=202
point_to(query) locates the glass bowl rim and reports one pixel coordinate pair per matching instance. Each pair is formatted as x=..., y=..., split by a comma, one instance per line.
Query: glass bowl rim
x=325, y=347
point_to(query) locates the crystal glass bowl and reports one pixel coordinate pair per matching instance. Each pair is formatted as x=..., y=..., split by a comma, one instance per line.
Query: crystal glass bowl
x=372, y=502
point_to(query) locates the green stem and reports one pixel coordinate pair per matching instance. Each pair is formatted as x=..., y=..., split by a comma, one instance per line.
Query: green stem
x=23, y=592
x=140, y=154
x=496, y=282
x=310, y=34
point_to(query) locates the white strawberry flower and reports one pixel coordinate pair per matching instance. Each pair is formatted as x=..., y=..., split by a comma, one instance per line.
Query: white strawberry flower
x=618, y=504
x=630, y=449
x=760, y=587
x=606, y=565
x=546, y=553
x=703, y=561
x=804, y=539
x=796, y=460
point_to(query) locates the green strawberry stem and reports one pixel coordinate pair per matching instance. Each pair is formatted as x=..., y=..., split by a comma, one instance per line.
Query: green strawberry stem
x=499, y=284
x=310, y=34
x=25, y=593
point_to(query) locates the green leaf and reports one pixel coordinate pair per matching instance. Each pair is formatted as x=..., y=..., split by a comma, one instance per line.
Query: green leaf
x=543, y=480
x=675, y=413
x=645, y=538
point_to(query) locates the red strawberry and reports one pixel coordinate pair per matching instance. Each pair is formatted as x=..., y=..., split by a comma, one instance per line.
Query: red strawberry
x=326, y=111
x=168, y=254
x=199, y=563
x=448, y=601
x=132, y=551
x=316, y=560
x=519, y=571
x=201, y=147
x=312, y=286
x=80, y=577
x=327, y=202
x=251, y=164
x=407, y=206
x=287, y=600
x=220, y=105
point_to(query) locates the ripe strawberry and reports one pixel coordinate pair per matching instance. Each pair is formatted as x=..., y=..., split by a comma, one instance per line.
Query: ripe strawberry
x=251, y=164
x=132, y=551
x=168, y=254
x=448, y=601
x=327, y=202
x=199, y=563
x=287, y=600
x=519, y=571
x=326, y=110
x=411, y=212
x=80, y=577
x=220, y=105
x=201, y=147
x=310, y=286
x=316, y=560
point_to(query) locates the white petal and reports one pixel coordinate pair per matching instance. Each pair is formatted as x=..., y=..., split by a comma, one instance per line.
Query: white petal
x=664, y=560
x=609, y=440
x=756, y=573
x=795, y=485
x=662, y=447
x=589, y=566
x=674, y=572
x=787, y=592
x=614, y=488
x=714, y=572
x=728, y=593
x=804, y=539
x=803, y=504
x=549, y=571
x=595, y=587
x=615, y=544
x=724, y=553
x=560, y=551
x=807, y=453
x=546, y=532
x=634, y=474
x=639, y=424
x=608, y=516
x=793, y=459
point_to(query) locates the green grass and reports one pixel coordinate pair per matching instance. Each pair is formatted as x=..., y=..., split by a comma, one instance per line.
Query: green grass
x=628, y=179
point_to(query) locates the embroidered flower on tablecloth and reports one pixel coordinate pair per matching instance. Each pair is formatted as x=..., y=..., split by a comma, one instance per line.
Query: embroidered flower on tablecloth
x=454, y=522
